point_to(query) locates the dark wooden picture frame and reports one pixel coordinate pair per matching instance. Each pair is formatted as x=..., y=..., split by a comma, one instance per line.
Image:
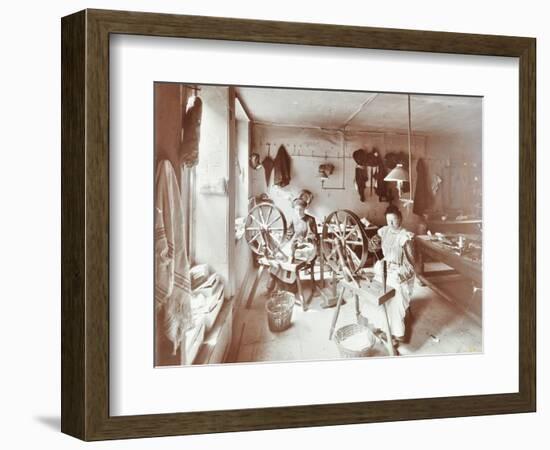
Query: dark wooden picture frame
x=85, y=224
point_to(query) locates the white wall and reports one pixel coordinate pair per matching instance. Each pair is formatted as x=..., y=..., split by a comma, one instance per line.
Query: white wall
x=243, y=255
x=212, y=211
x=30, y=144
x=457, y=160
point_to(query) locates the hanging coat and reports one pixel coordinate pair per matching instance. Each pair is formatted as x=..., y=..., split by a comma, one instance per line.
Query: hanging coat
x=172, y=279
x=268, y=164
x=382, y=189
x=422, y=194
x=361, y=178
x=189, y=148
x=282, y=167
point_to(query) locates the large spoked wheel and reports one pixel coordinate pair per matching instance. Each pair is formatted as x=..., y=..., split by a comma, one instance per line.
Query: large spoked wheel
x=265, y=229
x=344, y=241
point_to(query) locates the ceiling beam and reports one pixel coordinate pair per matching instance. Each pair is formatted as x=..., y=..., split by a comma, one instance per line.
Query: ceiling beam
x=366, y=103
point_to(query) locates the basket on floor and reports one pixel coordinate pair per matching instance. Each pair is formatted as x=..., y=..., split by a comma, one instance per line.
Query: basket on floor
x=354, y=340
x=279, y=310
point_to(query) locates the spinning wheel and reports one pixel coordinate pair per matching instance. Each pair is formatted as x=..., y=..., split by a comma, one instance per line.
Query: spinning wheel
x=345, y=248
x=344, y=241
x=265, y=232
x=265, y=229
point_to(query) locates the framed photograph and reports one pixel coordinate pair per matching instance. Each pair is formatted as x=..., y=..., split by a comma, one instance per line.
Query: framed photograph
x=273, y=225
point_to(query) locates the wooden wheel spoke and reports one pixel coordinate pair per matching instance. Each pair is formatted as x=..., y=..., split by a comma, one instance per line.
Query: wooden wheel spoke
x=334, y=266
x=260, y=212
x=277, y=243
x=255, y=237
x=339, y=225
x=345, y=223
x=256, y=220
x=252, y=229
x=353, y=256
x=353, y=230
x=273, y=221
x=332, y=253
x=269, y=215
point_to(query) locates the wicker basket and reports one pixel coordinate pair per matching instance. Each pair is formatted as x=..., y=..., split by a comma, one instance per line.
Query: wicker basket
x=279, y=310
x=349, y=336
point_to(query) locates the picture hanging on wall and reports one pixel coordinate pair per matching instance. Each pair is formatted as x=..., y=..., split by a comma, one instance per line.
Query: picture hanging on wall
x=237, y=236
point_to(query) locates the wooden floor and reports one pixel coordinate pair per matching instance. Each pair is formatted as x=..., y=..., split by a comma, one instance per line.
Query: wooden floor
x=438, y=327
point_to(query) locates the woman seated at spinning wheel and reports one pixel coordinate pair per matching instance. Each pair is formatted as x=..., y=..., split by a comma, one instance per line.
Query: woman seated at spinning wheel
x=397, y=247
x=302, y=240
x=302, y=233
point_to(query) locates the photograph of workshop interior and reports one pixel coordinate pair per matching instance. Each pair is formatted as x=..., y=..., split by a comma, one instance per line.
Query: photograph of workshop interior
x=301, y=224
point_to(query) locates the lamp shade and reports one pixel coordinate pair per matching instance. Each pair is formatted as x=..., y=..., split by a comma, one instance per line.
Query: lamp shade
x=397, y=174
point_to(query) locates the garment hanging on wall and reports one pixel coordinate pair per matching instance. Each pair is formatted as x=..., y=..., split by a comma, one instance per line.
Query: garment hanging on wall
x=422, y=194
x=189, y=148
x=361, y=172
x=382, y=189
x=268, y=164
x=373, y=162
x=374, y=179
x=361, y=178
x=282, y=166
x=172, y=280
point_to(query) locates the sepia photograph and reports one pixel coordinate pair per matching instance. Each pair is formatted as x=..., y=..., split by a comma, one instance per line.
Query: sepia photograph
x=297, y=224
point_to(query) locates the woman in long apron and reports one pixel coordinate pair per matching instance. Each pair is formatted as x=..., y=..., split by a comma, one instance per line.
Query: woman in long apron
x=400, y=276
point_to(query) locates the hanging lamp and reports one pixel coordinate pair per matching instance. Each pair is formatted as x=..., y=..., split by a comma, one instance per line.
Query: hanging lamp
x=398, y=174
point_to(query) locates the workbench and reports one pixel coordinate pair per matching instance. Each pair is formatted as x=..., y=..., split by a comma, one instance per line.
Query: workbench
x=461, y=268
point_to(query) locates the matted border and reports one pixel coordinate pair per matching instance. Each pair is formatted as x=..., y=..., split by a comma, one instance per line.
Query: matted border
x=85, y=224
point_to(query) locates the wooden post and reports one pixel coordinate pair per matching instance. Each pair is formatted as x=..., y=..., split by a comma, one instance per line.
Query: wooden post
x=255, y=285
x=389, y=342
x=336, y=312
x=300, y=292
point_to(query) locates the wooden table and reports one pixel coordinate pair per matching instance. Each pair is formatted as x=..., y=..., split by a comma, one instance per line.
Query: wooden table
x=455, y=226
x=440, y=252
x=462, y=268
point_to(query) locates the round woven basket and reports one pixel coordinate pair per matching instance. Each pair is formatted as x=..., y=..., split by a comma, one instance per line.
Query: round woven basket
x=354, y=340
x=279, y=310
